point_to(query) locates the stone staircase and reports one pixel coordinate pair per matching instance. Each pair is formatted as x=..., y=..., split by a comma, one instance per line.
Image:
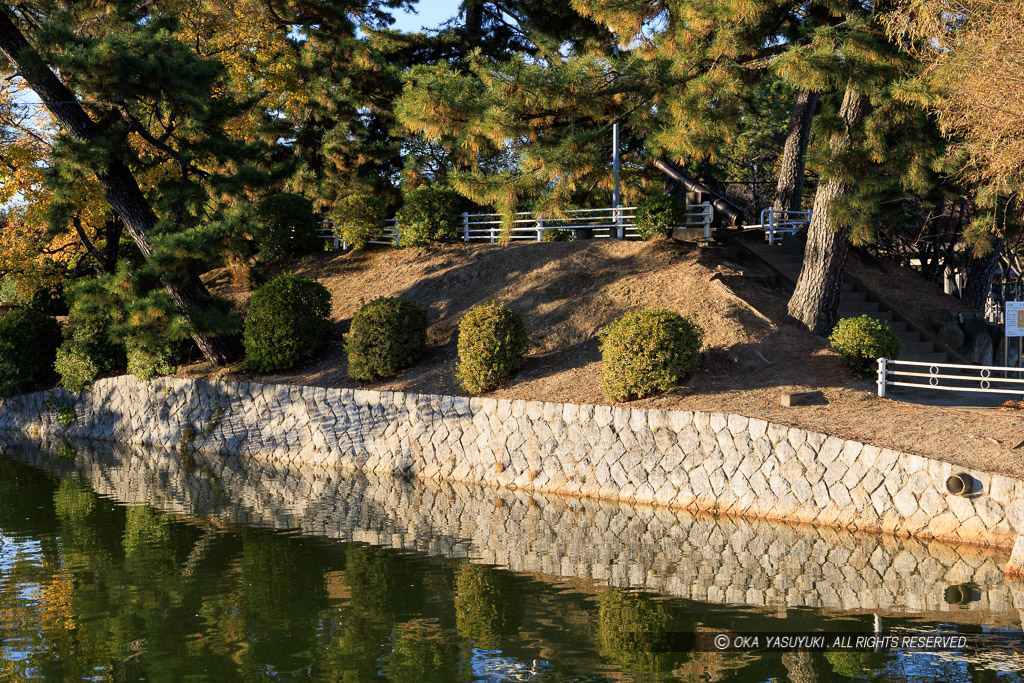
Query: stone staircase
x=855, y=299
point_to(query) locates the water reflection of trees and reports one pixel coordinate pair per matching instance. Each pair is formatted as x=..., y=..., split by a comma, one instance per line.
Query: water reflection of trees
x=123, y=593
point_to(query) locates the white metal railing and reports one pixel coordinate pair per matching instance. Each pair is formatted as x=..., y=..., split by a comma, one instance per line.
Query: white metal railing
x=489, y=227
x=777, y=223
x=921, y=375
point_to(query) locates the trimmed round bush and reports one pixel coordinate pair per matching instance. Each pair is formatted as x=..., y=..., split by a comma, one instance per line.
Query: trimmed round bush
x=285, y=225
x=657, y=216
x=288, y=322
x=648, y=351
x=429, y=214
x=862, y=341
x=76, y=365
x=358, y=218
x=387, y=335
x=492, y=345
x=28, y=346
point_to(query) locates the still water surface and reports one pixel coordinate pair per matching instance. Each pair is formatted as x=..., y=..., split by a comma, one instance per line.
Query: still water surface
x=119, y=564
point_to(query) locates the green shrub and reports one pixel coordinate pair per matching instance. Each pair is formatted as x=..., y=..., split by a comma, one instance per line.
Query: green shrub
x=862, y=341
x=387, y=335
x=657, y=216
x=557, y=235
x=492, y=345
x=285, y=225
x=28, y=345
x=647, y=351
x=75, y=365
x=146, y=363
x=90, y=350
x=288, y=322
x=429, y=214
x=9, y=290
x=358, y=218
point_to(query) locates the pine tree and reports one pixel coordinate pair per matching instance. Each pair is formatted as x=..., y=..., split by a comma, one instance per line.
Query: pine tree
x=149, y=100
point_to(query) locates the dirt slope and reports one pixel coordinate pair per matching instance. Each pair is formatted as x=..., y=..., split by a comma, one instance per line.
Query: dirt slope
x=569, y=291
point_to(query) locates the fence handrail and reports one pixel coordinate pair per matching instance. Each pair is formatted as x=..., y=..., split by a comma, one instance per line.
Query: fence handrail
x=889, y=368
x=602, y=222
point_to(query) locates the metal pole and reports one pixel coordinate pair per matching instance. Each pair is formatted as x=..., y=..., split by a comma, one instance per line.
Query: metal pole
x=619, y=232
x=881, y=378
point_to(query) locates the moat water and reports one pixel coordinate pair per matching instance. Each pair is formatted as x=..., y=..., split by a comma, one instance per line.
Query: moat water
x=121, y=564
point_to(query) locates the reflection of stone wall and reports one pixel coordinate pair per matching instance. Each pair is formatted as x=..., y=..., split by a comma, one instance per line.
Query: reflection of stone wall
x=711, y=559
x=708, y=461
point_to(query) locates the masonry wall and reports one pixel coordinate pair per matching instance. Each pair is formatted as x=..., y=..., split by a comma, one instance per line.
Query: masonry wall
x=695, y=460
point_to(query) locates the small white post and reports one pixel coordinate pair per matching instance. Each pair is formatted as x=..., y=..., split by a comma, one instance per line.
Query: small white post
x=465, y=226
x=771, y=225
x=398, y=242
x=540, y=229
x=336, y=240
x=881, y=377
x=492, y=233
x=707, y=220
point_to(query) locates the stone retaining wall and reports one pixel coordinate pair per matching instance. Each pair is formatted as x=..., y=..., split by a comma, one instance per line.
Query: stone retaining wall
x=700, y=461
x=719, y=560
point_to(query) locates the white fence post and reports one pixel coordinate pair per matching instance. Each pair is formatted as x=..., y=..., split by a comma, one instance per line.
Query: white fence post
x=398, y=242
x=881, y=378
x=465, y=226
x=540, y=229
x=707, y=220
x=771, y=225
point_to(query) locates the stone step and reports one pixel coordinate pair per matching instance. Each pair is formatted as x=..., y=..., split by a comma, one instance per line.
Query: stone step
x=852, y=298
x=853, y=310
x=916, y=347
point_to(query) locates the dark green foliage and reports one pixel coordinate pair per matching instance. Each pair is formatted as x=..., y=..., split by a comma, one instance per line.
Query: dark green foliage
x=358, y=218
x=285, y=226
x=28, y=345
x=557, y=235
x=862, y=341
x=91, y=348
x=647, y=351
x=635, y=632
x=146, y=364
x=76, y=367
x=488, y=608
x=428, y=215
x=492, y=345
x=387, y=335
x=657, y=216
x=288, y=322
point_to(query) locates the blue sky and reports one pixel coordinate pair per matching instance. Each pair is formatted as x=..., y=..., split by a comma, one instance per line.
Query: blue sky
x=429, y=14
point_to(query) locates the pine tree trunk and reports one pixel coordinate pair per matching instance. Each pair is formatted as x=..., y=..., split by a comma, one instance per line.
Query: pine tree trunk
x=120, y=188
x=815, y=301
x=790, y=187
x=980, y=272
x=803, y=667
x=474, y=19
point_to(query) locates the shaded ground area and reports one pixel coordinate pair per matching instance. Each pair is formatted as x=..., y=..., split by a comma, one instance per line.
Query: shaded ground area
x=568, y=292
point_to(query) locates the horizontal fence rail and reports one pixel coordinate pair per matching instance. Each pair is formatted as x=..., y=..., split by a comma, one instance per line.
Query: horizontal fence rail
x=604, y=223
x=989, y=379
x=777, y=223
